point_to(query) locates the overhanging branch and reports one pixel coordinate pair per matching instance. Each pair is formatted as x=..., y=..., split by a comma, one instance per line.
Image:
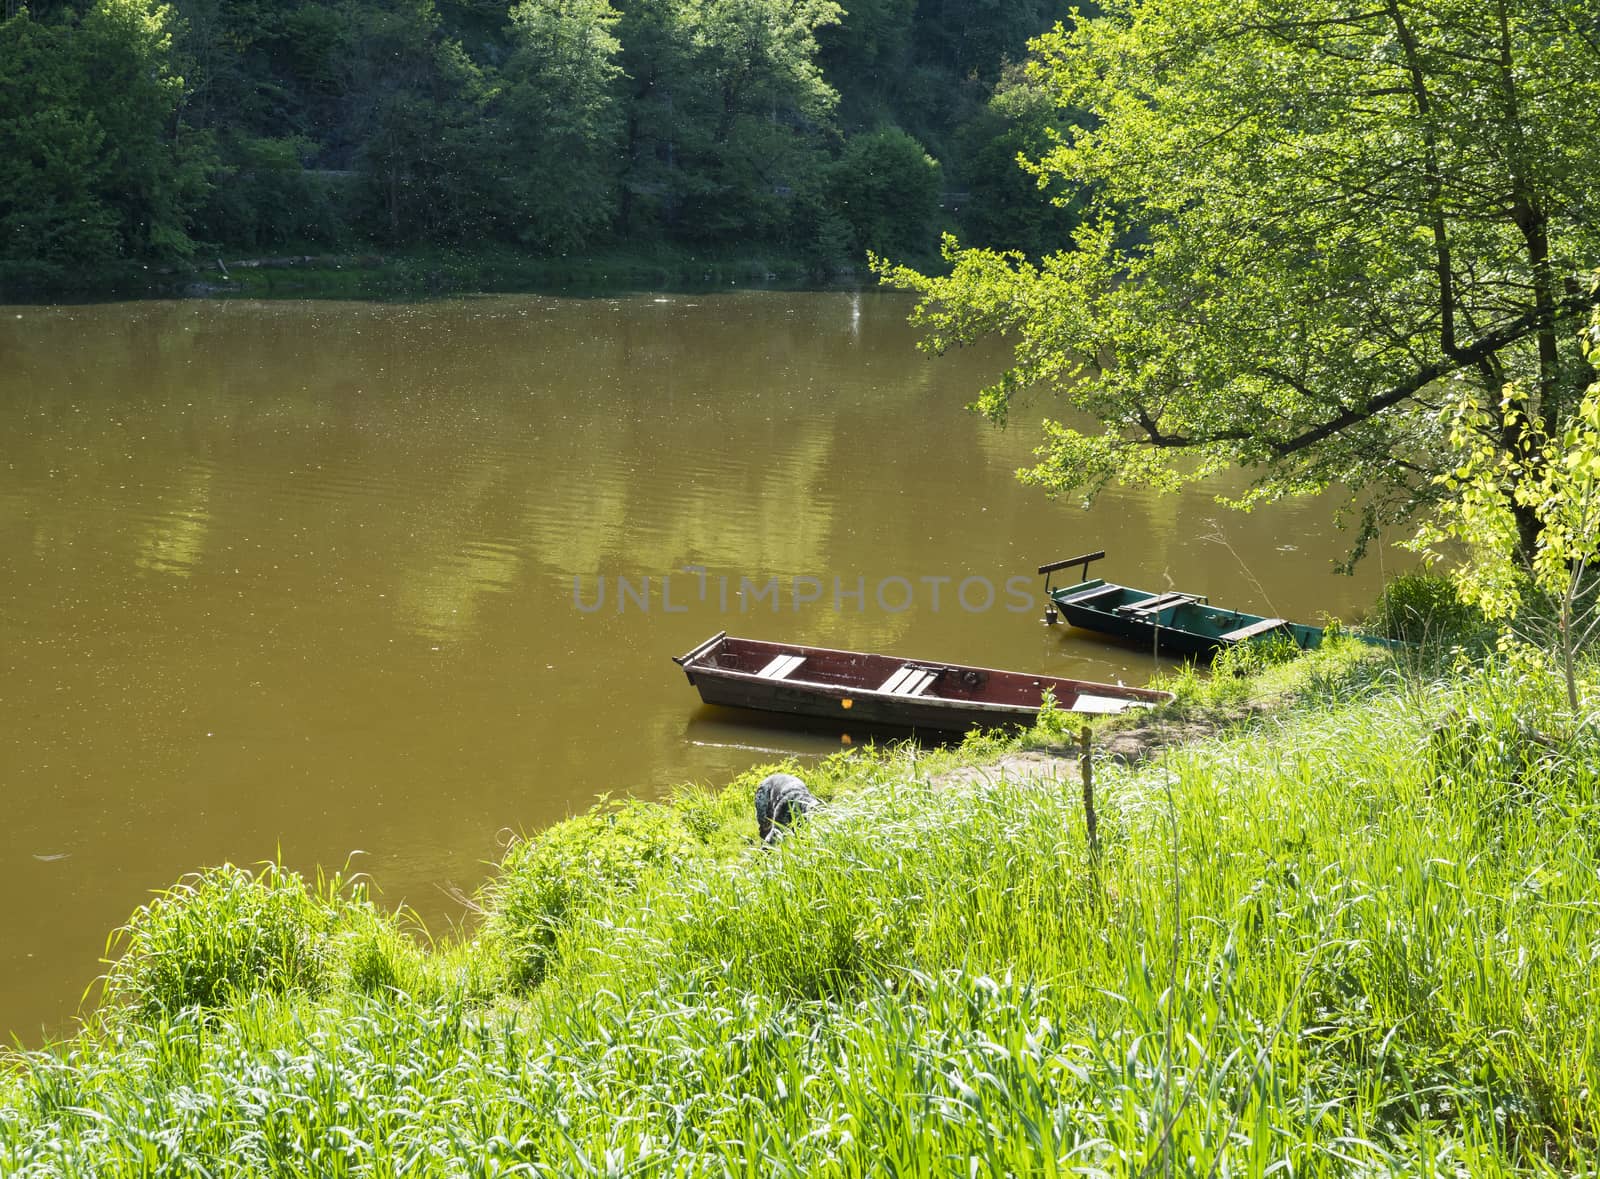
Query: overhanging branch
x=1468, y=357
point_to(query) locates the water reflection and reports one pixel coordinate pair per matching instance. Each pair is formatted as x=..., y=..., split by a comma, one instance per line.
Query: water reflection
x=173, y=540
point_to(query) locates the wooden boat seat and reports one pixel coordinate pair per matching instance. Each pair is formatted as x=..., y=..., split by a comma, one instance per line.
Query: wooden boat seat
x=1251, y=631
x=1088, y=702
x=910, y=680
x=781, y=666
x=1103, y=591
x=1156, y=604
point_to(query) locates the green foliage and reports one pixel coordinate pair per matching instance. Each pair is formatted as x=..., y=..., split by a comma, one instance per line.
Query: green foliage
x=1273, y=674
x=133, y=133
x=887, y=188
x=544, y=881
x=155, y=171
x=424, y=160
x=1053, y=726
x=1297, y=222
x=377, y=957
x=227, y=931
x=1255, y=656
x=1529, y=511
x=982, y=744
x=725, y=114
x=869, y=45
x=1490, y=751
x=91, y=168
x=50, y=167
x=1425, y=607
x=977, y=37
x=562, y=114
x=1005, y=208
x=265, y=198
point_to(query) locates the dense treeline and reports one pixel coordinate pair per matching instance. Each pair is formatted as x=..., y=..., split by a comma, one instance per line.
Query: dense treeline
x=137, y=133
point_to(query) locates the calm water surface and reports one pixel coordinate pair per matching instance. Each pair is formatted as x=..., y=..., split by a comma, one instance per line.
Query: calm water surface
x=321, y=578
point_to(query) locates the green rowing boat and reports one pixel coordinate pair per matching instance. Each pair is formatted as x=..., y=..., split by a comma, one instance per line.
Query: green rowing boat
x=1171, y=623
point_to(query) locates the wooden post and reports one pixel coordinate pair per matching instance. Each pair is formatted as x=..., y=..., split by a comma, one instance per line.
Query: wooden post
x=1086, y=763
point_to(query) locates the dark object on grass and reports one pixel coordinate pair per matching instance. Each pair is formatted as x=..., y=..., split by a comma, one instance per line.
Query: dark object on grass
x=780, y=800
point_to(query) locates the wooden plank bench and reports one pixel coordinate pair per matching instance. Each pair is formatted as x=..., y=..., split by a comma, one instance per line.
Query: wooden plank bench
x=781, y=666
x=1157, y=604
x=1254, y=629
x=1079, y=599
x=910, y=680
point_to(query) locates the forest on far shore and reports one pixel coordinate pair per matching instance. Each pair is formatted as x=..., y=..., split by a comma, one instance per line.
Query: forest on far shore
x=137, y=134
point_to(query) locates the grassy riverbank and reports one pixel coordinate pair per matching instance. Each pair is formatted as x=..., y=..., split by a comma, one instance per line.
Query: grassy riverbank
x=417, y=272
x=1357, y=932
x=422, y=272
x=414, y=272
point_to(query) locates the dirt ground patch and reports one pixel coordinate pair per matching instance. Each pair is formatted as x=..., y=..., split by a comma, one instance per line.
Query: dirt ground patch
x=1047, y=767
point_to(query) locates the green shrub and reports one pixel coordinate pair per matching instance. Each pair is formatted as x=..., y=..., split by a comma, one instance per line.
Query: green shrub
x=1053, y=727
x=227, y=931
x=722, y=821
x=1254, y=657
x=378, y=957
x=1424, y=607
x=545, y=880
x=887, y=187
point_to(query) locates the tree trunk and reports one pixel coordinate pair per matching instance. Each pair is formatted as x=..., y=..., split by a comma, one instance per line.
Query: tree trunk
x=1532, y=222
x=1528, y=531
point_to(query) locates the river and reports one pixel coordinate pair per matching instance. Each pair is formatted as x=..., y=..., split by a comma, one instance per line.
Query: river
x=340, y=581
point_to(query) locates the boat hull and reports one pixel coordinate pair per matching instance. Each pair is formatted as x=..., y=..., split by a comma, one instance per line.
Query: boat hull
x=863, y=708
x=857, y=688
x=1187, y=626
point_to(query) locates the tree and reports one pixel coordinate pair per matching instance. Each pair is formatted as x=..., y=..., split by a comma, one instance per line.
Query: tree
x=726, y=107
x=156, y=172
x=869, y=57
x=1003, y=206
x=52, y=163
x=1553, y=477
x=1301, y=219
x=425, y=148
x=977, y=36
x=95, y=163
x=887, y=188
x=563, y=109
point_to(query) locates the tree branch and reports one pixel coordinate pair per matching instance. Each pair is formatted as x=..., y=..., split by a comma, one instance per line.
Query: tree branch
x=1435, y=179
x=1472, y=356
x=1484, y=348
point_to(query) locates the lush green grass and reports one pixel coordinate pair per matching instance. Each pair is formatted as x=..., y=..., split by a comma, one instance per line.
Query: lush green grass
x=1358, y=936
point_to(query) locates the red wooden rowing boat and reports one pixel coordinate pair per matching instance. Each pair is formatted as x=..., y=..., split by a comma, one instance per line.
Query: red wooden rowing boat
x=857, y=687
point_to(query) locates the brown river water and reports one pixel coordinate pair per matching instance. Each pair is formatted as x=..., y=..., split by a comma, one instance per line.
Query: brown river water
x=340, y=581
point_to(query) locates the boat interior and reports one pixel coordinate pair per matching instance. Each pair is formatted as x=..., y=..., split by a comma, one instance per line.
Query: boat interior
x=1176, y=610
x=860, y=671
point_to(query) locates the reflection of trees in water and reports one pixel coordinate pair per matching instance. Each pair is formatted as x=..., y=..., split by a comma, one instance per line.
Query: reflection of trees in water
x=455, y=557
x=173, y=539
x=451, y=453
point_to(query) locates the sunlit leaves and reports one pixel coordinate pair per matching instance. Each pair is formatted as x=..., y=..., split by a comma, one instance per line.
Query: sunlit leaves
x=1299, y=220
x=1553, y=475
